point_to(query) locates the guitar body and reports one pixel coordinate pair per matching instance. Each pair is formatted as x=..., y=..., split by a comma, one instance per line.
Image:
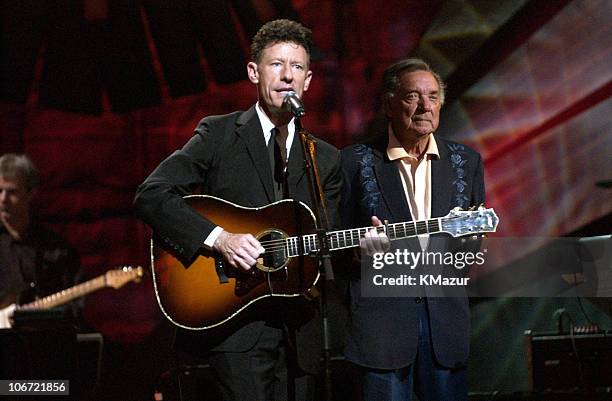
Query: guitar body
x=210, y=292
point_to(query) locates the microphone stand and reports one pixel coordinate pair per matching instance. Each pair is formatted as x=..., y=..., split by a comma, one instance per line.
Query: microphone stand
x=319, y=205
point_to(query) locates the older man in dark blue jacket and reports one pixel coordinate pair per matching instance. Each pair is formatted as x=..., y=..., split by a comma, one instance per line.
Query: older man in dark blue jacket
x=420, y=343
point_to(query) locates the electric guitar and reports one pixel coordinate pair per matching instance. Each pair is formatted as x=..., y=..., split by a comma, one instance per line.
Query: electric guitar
x=210, y=292
x=116, y=278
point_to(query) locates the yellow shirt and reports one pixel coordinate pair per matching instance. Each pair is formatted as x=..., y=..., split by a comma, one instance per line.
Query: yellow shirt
x=416, y=177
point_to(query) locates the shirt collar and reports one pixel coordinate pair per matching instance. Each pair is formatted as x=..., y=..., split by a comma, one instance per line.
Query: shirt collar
x=396, y=151
x=267, y=125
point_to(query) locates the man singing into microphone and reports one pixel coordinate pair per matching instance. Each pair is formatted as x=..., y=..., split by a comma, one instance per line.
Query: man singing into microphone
x=251, y=158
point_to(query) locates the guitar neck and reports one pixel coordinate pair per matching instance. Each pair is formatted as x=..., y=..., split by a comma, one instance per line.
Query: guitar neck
x=343, y=239
x=67, y=295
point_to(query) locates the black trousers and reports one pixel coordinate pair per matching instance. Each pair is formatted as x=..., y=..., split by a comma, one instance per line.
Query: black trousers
x=262, y=373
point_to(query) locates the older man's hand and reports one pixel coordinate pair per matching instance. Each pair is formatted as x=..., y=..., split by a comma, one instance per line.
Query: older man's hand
x=374, y=241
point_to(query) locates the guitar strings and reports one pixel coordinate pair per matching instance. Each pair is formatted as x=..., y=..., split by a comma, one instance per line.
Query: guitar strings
x=281, y=244
x=278, y=245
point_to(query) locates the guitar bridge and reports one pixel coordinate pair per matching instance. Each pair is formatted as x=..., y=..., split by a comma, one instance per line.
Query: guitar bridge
x=220, y=269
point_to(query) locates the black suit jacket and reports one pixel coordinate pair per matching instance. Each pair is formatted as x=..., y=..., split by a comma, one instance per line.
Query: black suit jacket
x=383, y=332
x=227, y=157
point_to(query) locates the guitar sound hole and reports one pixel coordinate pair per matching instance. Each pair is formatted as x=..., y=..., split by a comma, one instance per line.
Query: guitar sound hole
x=275, y=257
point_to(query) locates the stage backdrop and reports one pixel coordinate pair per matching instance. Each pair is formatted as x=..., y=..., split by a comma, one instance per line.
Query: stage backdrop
x=98, y=93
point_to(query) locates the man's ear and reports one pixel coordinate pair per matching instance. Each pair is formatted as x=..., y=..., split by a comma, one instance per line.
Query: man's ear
x=253, y=72
x=307, y=80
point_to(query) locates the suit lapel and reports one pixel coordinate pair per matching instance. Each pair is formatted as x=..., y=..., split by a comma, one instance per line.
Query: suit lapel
x=392, y=190
x=441, y=181
x=249, y=130
x=295, y=164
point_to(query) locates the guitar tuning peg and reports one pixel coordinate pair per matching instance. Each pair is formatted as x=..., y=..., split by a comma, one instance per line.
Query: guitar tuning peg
x=481, y=207
x=457, y=209
x=473, y=207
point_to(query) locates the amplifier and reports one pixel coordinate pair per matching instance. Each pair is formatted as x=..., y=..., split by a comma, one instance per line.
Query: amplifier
x=53, y=353
x=569, y=361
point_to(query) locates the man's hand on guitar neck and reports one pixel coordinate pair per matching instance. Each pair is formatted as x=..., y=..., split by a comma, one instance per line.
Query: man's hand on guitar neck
x=374, y=241
x=239, y=250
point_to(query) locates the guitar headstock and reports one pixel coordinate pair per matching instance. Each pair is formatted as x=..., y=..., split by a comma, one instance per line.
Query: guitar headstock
x=467, y=222
x=117, y=278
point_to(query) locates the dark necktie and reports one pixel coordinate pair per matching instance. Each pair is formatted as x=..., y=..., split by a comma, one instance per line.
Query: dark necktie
x=278, y=165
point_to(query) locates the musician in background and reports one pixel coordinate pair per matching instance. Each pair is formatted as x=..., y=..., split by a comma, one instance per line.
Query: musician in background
x=236, y=157
x=34, y=261
x=406, y=173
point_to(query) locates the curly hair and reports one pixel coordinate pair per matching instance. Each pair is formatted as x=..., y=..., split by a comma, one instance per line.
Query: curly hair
x=279, y=31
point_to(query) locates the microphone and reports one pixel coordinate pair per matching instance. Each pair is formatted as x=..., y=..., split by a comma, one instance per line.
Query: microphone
x=293, y=104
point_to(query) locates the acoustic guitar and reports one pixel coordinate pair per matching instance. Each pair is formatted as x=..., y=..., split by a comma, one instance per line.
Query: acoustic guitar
x=209, y=292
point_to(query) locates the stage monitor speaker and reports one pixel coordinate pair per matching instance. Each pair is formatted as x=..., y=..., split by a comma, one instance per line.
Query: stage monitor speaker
x=197, y=382
x=36, y=354
x=564, y=361
x=90, y=347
